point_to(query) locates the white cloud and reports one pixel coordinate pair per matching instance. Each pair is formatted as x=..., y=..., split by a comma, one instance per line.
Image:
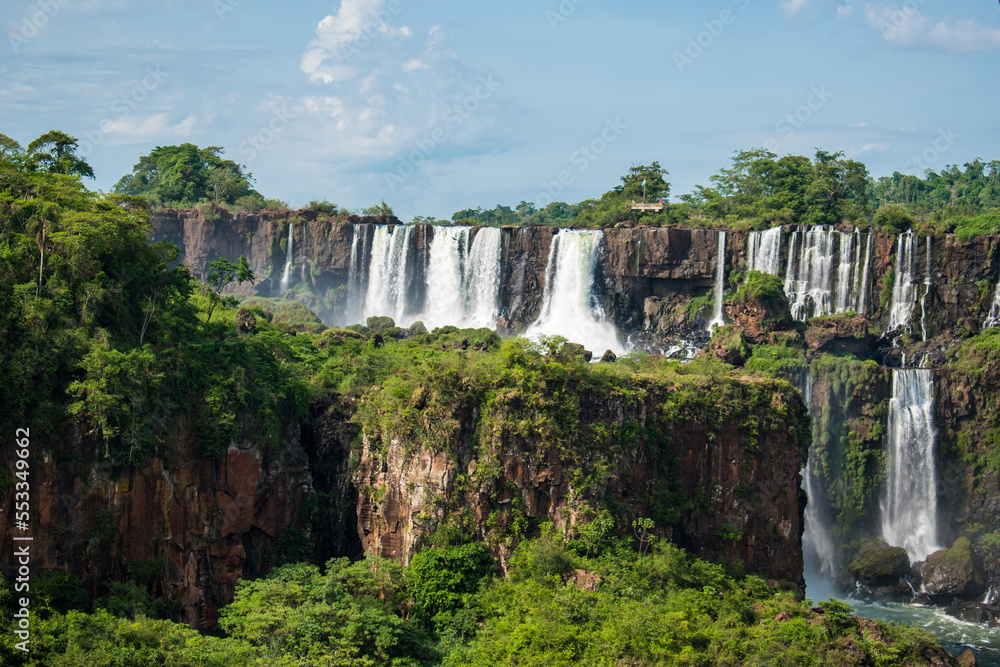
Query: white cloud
x=342, y=39
x=845, y=11
x=965, y=35
x=393, y=91
x=133, y=129
x=908, y=27
x=880, y=147
x=792, y=7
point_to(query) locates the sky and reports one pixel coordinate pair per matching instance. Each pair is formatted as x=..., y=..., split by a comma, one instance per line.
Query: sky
x=440, y=105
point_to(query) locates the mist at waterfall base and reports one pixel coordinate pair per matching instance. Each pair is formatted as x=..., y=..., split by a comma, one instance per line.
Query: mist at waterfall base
x=457, y=282
x=909, y=519
x=569, y=306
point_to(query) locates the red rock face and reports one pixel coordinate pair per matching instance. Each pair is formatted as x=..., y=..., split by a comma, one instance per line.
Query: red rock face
x=210, y=522
x=748, y=506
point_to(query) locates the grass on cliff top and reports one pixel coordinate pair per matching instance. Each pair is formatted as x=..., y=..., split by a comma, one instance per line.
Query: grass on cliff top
x=544, y=394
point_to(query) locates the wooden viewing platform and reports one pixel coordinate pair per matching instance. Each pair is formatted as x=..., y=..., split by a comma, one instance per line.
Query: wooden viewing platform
x=639, y=206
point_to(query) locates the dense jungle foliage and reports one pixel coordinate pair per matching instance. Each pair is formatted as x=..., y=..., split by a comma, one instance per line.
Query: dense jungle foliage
x=563, y=603
x=760, y=190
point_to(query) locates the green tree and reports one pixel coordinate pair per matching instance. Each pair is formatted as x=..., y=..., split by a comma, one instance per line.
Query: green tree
x=55, y=152
x=382, y=211
x=185, y=175
x=642, y=179
x=222, y=274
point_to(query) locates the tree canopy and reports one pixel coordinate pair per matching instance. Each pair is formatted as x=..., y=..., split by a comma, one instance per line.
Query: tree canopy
x=185, y=175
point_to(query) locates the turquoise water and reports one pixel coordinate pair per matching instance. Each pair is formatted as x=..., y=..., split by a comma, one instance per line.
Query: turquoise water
x=954, y=635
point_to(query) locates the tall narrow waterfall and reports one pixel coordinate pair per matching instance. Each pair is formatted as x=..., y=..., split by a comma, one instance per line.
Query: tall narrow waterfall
x=993, y=318
x=387, y=277
x=927, y=290
x=904, y=294
x=909, y=506
x=570, y=308
x=818, y=550
x=720, y=284
x=286, y=277
x=764, y=251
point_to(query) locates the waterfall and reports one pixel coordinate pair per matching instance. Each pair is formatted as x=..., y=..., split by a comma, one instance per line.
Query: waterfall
x=813, y=285
x=387, y=278
x=927, y=290
x=570, y=308
x=818, y=549
x=903, y=291
x=445, y=304
x=861, y=288
x=360, y=250
x=824, y=272
x=809, y=279
x=483, y=271
x=720, y=284
x=764, y=251
x=463, y=278
x=909, y=506
x=993, y=319
x=289, y=260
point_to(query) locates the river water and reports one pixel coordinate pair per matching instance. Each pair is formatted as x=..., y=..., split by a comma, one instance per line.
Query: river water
x=954, y=635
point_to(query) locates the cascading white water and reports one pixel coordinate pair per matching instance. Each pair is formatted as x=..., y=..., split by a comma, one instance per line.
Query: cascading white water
x=824, y=271
x=813, y=286
x=445, y=300
x=808, y=279
x=483, y=270
x=818, y=549
x=861, y=287
x=927, y=290
x=993, y=318
x=387, y=278
x=903, y=291
x=286, y=277
x=848, y=250
x=463, y=278
x=569, y=305
x=720, y=284
x=764, y=251
x=909, y=505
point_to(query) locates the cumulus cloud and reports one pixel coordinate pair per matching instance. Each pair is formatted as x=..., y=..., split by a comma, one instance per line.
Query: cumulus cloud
x=908, y=27
x=387, y=89
x=845, y=11
x=342, y=38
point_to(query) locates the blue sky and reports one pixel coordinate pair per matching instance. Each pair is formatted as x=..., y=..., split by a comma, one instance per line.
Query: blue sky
x=441, y=105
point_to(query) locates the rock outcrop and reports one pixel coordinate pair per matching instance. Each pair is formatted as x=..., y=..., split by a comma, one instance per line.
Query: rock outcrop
x=954, y=572
x=882, y=570
x=742, y=497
